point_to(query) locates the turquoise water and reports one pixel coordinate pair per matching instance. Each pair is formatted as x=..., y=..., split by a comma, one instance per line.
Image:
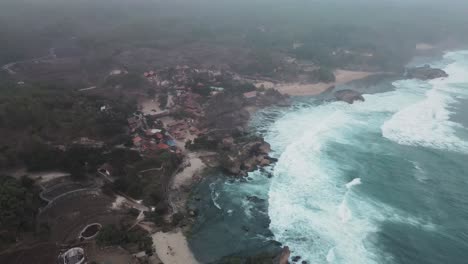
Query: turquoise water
x=382, y=181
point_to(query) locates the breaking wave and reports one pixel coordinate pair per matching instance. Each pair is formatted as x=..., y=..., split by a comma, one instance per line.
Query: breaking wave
x=427, y=123
x=314, y=206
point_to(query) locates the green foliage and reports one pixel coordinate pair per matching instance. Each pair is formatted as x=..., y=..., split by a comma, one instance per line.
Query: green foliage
x=240, y=88
x=177, y=218
x=324, y=75
x=156, y=217
x=181, y=114
x=37, y=155
x=18, y=206
x=31, y=118
x=148, y=179
x=111, y=235
x=203, y=91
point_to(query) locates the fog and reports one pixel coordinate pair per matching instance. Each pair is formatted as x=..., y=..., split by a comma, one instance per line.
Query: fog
x=29, y=27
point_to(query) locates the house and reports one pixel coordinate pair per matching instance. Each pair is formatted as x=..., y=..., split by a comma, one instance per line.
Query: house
x=159, y=136
x=250, y=96
x=171, y=143
x=163, y=146
x=137, y=141
x=152, y=132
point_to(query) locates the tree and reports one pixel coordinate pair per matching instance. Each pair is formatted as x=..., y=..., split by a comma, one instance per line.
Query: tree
x=17, y=205
x=110, y=235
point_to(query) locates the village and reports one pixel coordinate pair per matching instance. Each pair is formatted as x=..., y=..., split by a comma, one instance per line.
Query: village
x=168, y=121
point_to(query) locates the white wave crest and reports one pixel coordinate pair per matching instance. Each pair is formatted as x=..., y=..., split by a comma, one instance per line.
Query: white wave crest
x=214, y=195
x=354, y=182
x=427, y=123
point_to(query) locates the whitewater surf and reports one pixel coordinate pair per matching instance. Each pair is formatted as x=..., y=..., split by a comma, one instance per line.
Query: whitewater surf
x=379, y=181
x=347, y=185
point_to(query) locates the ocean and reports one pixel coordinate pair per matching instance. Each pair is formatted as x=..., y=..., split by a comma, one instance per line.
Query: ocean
x=380, y=181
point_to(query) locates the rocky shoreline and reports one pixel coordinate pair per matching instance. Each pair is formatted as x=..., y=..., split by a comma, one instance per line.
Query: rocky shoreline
x=234, y=151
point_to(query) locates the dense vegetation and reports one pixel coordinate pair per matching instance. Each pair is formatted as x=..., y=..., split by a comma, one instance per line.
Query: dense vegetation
x=148, y=179
x=111, y=235
x=18, y=207
x=35, y=118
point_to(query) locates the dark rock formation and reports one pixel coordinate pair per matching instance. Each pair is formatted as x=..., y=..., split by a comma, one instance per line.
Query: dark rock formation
x=296, y=258
x=243, y=157
x=272, y=97
x=425, y=73
x=349, y=96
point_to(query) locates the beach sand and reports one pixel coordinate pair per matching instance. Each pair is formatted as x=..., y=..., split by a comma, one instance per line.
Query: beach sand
x=172, y=248
x=298, y=89
x=195, y=166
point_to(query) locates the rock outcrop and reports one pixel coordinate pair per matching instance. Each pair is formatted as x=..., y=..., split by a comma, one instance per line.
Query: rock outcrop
x=272, y=97
x=349, y=96
x=283, y=258
x=425, y=73
x=243, y=157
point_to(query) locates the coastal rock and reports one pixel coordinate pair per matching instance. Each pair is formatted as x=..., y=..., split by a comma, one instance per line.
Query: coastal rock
x=245, y=157
x=296, y=258
x=273, y=97
x=349, y=96
x=425, y=73
x=283, y=258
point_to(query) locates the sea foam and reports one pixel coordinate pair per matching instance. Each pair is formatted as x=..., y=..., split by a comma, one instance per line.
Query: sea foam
x=427, y=122
x=313, y=207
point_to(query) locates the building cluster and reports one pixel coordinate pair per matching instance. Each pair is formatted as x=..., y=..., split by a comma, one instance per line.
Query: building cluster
x=183, y=79
x=149, y=135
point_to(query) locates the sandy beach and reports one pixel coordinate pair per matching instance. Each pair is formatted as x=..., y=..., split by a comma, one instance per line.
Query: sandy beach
x=298, y=89
x=172, y=248
x=195, y=165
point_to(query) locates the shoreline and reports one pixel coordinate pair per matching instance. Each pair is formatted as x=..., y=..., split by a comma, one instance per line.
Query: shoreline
x=313, y=89
x=172, y=247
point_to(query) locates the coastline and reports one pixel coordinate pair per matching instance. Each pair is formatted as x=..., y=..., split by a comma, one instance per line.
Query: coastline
x=301, y=89
x=172, y=247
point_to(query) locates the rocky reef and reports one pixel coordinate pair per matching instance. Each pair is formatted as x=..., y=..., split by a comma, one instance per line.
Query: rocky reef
x=425, y=73
x=349, y=96
x=242, y=157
